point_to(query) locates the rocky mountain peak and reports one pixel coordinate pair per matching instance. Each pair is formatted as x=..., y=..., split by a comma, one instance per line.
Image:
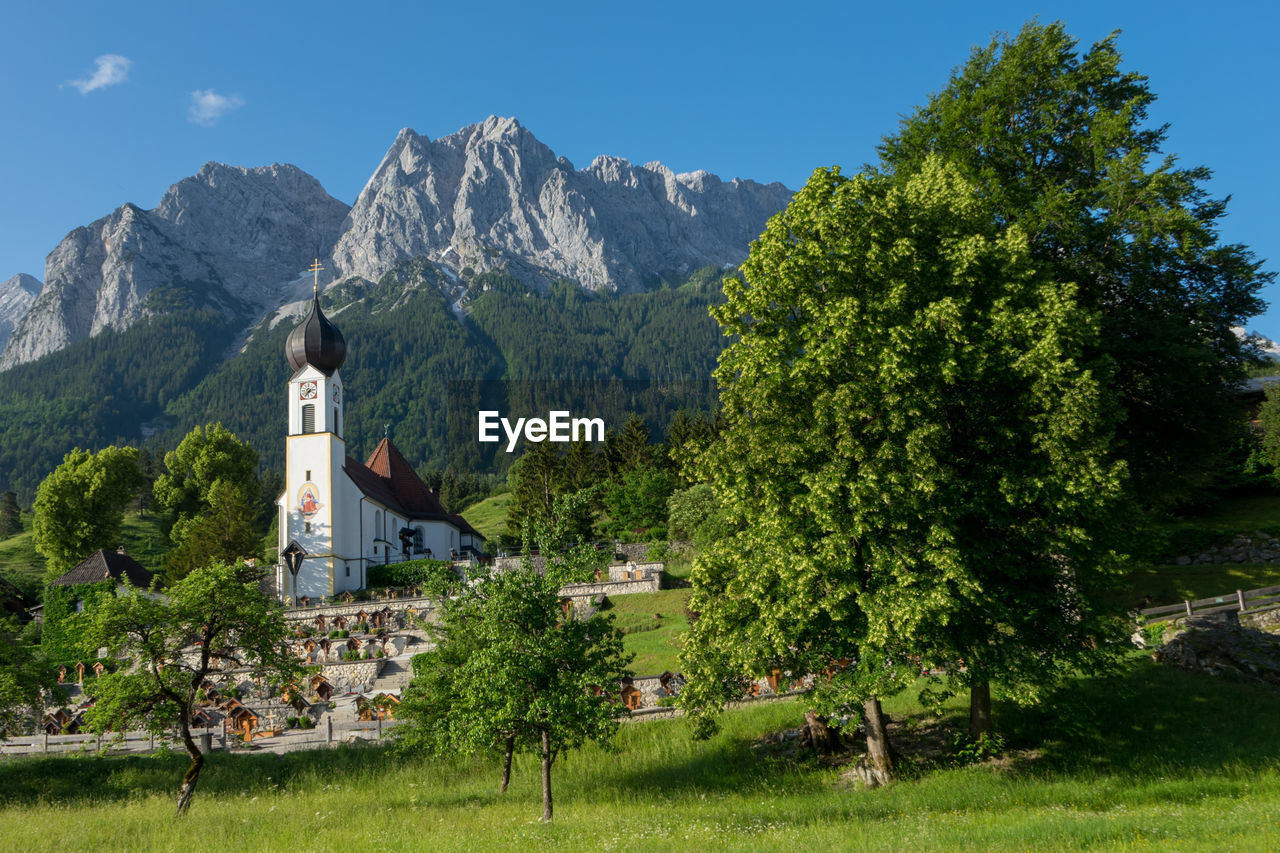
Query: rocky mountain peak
x=232, y=238
x=493, y=196
x=16, y=296
x=490, y=196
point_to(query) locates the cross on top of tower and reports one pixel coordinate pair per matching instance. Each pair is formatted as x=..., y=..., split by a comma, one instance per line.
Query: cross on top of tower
x=315, y=268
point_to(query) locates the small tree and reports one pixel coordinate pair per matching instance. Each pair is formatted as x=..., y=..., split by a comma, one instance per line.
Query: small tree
x=638, y=503
x=170, y=645
x=512, y=671
x=79, y=507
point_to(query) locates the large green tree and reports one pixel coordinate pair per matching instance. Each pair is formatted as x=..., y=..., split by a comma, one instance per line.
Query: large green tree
x=212, y=499
x=912, y=457
x=80, y=506
x=213, y=619
x=1059, y=143
x=206, y=455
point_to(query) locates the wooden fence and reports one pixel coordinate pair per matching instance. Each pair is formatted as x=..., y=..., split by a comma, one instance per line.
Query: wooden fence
x=327, y=732
x=1240, y=601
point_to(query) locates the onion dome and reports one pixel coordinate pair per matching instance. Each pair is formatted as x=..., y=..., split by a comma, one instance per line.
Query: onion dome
x=317, y=342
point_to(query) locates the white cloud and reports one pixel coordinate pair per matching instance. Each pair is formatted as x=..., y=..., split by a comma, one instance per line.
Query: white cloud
x=207, y=106
x=111, y=69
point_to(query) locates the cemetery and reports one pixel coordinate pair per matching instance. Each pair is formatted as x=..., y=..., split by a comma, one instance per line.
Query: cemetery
x=356, y=650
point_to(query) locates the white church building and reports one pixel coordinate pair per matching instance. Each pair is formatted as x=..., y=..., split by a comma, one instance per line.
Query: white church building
x=339, y=516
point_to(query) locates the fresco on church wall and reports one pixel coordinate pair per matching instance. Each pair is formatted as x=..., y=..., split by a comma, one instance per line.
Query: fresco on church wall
x=309, y=500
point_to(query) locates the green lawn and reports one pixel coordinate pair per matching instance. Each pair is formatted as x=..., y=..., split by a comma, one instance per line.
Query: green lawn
x=489, y=516
x=1150, y=758
x=653, y=623
x=1192, y=533
x=1244, y=514
x=1171, y=584
x=20, y=562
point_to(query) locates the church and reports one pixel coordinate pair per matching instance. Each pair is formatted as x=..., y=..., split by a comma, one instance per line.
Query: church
x=338, y=516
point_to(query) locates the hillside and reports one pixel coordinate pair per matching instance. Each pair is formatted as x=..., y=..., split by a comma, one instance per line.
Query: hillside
x=414, y=367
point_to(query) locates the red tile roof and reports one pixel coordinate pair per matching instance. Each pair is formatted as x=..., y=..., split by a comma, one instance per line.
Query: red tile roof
x=388, y=478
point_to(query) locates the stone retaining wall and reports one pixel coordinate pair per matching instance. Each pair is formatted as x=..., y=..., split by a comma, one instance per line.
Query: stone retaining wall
x=586, y=590
x=352, y=675
x=1244, y=548
x=398, y=605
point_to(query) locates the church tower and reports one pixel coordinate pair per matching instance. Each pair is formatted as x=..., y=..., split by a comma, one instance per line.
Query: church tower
x=314, y=454
x=340, y=518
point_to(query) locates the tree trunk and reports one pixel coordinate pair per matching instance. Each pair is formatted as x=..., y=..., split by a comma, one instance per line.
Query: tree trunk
x=192, y=776
x=546, y=776
x=979, y=709
x=506, y=764
x=878, y=768
x=822, y=738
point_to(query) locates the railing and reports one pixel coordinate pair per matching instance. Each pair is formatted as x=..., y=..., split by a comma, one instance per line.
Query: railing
x=326, y=732
x=90, y=742
x=1239, y=601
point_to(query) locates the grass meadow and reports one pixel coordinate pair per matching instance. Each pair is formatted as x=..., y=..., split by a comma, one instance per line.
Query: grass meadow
x=653, y=624
x=489, y=516
x=1150, y=758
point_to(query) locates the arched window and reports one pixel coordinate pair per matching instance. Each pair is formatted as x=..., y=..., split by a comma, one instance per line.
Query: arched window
x=336, y=431
x=308, y=417
x=377, y=525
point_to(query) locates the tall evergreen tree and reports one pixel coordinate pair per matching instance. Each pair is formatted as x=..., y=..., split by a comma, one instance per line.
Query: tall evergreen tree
x=10, y=515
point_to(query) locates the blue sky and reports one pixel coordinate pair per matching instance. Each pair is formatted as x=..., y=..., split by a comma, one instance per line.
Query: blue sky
x=767, y=91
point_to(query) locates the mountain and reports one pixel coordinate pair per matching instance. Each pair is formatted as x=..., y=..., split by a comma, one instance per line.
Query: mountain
x=493, y=197
x=16, y=296
x=228, y=239
x=478, y=257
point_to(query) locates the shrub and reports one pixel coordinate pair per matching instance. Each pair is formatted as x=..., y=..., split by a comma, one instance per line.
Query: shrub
x=436, y=577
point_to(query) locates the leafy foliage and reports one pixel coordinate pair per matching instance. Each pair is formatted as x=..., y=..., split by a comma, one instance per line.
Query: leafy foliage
x=80, y=506
x=913, y=462
x=512, y=671
x=26, y=680
x=218, y=608
x=436, y=577
x=694, y=513
x=638, y=505
x=67, y=613
x=1059, y=145
x=211, y=496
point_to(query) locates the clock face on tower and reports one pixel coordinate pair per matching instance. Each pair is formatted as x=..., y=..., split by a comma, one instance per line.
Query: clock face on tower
x=335, y=393
x=307, y=391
